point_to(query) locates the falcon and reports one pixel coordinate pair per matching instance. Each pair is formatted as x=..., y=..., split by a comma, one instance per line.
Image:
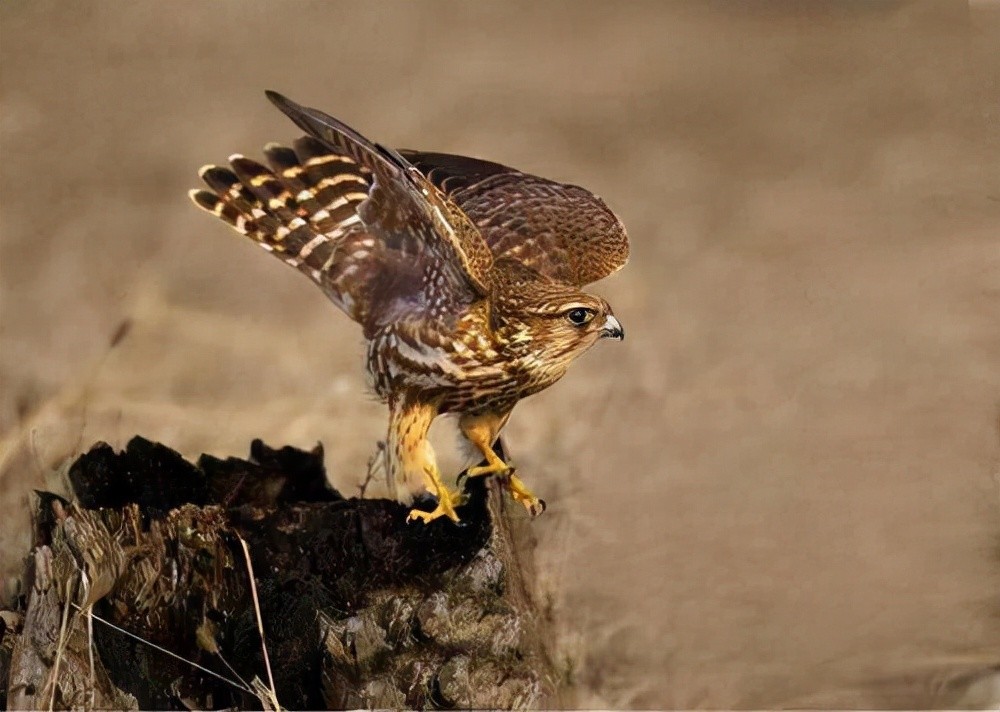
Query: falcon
x=465, y=276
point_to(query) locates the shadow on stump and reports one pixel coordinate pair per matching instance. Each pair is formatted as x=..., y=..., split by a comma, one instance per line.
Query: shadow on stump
x=359, y=608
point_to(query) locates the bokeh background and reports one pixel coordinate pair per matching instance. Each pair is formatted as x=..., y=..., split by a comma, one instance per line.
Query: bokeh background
x=780, y=490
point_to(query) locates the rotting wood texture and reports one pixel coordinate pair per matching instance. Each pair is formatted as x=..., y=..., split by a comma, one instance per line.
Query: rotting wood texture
x=137, y=594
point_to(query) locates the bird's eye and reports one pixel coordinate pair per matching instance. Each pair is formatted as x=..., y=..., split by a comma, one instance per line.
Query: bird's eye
x=579, y=316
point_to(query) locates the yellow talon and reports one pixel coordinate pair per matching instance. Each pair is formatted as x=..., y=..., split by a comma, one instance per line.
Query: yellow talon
x=447, y=499
x=499, y=468
x=495, y=466
x=518, y=490
x=428, y=517
x=522, y=494
x=482, y=431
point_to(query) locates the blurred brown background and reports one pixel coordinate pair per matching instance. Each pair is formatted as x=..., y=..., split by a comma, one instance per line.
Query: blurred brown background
x=779, y=490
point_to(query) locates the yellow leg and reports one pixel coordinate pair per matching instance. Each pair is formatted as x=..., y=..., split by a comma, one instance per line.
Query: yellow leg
x=522, y=494
x=496, y=466
x=447, y=499
x=481, y=431
x=410, y=457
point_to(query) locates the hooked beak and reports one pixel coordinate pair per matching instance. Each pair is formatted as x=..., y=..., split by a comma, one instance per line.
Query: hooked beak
x=612, y=328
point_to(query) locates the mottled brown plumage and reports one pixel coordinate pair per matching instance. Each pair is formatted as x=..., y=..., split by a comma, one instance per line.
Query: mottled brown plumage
x=465, y=276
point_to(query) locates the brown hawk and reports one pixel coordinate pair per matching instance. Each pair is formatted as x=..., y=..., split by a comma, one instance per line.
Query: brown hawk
x=464, y=274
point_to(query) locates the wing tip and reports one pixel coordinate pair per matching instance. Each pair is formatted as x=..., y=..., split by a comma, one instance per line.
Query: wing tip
x=288, y=107
x=204, y=199
x=206, y=170
x=218, y=178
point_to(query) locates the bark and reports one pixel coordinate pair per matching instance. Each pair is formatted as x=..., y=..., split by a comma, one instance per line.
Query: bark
x=138, y=593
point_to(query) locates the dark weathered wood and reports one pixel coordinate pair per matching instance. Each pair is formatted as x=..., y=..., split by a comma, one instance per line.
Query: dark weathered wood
x=52, y=664
x=359, y=608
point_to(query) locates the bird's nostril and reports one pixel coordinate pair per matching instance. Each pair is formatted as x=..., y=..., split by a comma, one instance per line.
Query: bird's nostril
x=612, y=329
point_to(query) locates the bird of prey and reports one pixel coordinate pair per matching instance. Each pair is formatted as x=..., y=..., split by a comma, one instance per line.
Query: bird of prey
x=464, y=274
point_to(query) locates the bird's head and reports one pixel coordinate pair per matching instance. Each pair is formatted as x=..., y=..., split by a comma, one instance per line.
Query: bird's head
x=553, y=321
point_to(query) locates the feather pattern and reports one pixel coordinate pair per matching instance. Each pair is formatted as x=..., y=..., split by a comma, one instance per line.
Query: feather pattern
x=464, y=274
x=560, y=230
x=402, y=199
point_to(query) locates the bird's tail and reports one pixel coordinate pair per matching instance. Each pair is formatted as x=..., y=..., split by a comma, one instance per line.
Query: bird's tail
x=302, y=209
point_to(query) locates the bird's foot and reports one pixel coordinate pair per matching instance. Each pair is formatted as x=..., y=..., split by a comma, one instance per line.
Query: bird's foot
x=522, y=494
x=447, y=501
x=494, y=468
x=518, y=490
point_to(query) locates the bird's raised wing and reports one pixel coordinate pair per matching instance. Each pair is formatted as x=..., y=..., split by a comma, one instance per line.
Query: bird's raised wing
x=402, y=203
x=303, y=209
x=562, y=231
x=381, y=240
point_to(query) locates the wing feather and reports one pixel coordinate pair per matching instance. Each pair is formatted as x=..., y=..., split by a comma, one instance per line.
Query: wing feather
x=402, y=199
x=562, y=231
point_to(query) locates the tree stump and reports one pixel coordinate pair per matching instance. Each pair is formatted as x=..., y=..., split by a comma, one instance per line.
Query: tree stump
x=161, y=585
